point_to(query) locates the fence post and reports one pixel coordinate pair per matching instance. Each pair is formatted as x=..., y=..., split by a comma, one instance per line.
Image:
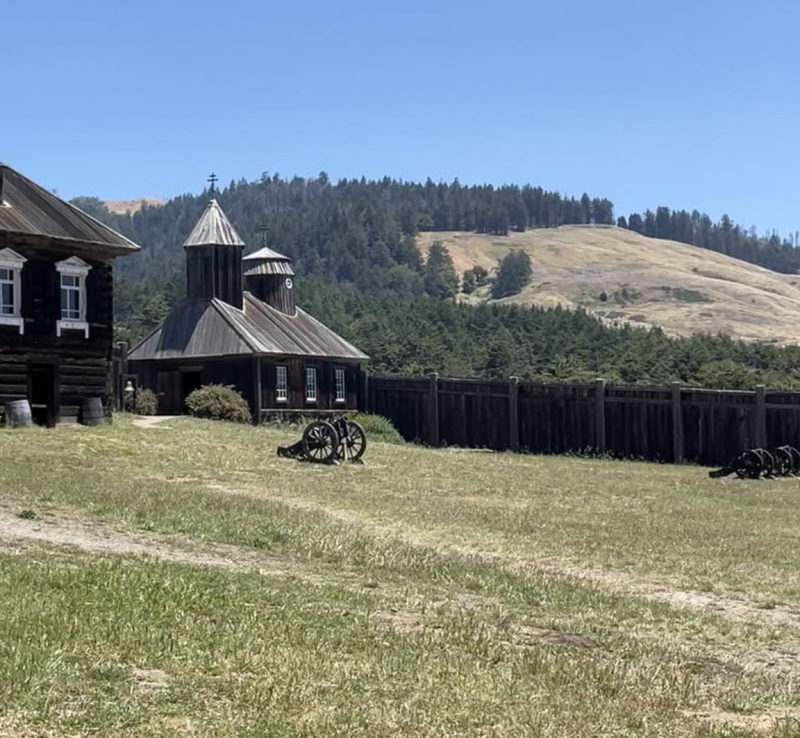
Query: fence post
x=513, y=413
x=600, y=415
x=362, y=400
x=677, y=424
x=433, y=409
x=761, y=416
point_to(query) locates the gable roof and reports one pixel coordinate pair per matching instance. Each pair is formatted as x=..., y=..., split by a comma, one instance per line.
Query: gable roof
x=212, y=328
x=213, y=229
x=28, y=209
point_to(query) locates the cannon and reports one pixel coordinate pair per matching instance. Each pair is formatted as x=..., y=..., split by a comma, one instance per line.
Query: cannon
x=328, y=442
x=760, y=463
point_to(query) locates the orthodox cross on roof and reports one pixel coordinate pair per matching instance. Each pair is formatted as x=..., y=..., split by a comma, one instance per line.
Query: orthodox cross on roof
x=213, y=178
x=263, y=229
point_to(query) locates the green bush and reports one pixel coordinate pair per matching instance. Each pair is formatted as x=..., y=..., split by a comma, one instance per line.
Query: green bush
x=378, y=428
x=146, y=402
x=218, y=402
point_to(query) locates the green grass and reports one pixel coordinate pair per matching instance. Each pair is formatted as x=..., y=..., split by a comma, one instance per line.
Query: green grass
x=427, y=593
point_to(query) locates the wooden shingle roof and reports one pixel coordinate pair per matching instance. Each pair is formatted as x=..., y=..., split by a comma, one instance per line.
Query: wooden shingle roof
x=213, y=328
x=30, y=210
x=213, y=229
x=266, y=261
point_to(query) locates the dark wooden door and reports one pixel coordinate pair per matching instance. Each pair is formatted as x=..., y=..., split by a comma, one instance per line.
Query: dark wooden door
x=43, y=393
x=170, y=393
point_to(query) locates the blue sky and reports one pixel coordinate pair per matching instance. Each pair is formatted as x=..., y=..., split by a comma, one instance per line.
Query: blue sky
x=685, y=104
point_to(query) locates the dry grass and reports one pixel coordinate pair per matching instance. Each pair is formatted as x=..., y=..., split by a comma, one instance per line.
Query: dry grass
x=121, y=207
x=648, y=282
x=201, y=586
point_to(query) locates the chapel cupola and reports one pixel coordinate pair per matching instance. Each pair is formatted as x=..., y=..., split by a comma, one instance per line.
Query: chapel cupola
x=268, y=276
x=214, y=256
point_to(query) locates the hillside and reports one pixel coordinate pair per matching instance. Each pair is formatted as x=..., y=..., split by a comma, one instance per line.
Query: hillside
x=647, y=282
x=123, y=207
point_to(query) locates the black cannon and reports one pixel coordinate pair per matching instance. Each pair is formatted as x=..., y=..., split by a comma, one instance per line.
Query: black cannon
x=328, y=442
x=759, y=463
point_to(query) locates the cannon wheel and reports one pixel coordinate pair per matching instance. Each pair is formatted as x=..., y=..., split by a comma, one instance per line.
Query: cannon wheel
x=767, y=463
x=352, y=446
x=784, y=463
x=747, y=465
x=320, y=442
x=795, y=454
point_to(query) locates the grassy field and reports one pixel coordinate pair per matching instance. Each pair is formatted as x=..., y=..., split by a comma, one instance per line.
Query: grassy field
x=183, y=580
x=646, y=282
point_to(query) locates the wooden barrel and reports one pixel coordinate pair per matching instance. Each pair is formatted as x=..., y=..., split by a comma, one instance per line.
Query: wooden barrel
x=18, y=414
x=92, y=412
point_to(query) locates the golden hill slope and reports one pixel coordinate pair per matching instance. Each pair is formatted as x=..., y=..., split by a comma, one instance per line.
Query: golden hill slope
x=647, y=282
x=120, y=207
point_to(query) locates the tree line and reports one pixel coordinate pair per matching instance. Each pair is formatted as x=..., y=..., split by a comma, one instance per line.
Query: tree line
x=724, y=236
x=359, y=269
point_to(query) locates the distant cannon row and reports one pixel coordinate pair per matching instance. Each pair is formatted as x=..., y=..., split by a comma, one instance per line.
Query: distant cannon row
x=759, y=463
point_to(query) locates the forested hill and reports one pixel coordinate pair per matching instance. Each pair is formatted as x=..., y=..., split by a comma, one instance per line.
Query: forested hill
x=359, y=269
x=355, y=230
x=352, y=231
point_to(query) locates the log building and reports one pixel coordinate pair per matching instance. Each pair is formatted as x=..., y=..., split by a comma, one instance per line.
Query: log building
x=239, y=326
x=56, y=306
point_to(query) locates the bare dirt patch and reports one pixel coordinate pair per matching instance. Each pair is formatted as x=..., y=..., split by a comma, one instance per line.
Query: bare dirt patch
x=152, y=421
x=151, y=680
x=65, y=529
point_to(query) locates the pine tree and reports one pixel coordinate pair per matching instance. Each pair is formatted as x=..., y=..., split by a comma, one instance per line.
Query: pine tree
x=514, y=273
x=440, y=278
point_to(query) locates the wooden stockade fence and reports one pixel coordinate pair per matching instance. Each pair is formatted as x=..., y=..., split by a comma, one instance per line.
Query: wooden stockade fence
x=671, y=424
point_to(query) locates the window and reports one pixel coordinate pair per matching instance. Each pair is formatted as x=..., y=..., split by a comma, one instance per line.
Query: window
x=73, y=273
x=10, y=293
x=341, y=396
x=311, y=385
x=70, y=297
x=281, y=388
x=8, y=301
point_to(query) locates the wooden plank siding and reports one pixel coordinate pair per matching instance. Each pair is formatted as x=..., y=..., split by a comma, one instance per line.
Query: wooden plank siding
x=667, y=424
x=243, y=374
x=82, y=363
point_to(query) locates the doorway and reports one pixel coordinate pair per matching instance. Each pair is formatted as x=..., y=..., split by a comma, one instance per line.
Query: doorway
x=43, y=393
x=192, y=380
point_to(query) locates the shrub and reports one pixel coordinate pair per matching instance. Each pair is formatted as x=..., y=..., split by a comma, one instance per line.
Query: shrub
x=218, y=402
x=146, y=402
x=378, y=428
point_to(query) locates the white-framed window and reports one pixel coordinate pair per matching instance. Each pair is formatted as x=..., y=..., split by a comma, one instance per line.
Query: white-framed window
x=311, y=384
x=72, y=292
x=341, y=393
x=71, y=297
x=281, y=384
x=11, y=264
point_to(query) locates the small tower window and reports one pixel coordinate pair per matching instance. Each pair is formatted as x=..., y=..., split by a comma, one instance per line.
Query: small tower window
x=281, y=384
x=311, y=384
x=341, y=394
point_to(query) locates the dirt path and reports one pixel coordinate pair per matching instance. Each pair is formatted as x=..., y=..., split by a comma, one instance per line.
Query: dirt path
x=152, y=421
x=66, y=529
x=619, y=582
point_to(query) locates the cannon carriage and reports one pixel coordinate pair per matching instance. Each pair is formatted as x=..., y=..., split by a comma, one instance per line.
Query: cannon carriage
x=760, y=463
x=331, y=441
